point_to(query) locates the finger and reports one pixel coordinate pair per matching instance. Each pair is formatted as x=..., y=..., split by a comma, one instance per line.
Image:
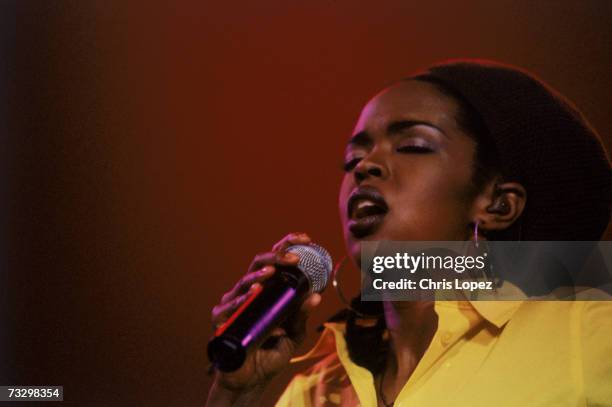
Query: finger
x=247, y=281
x=222, y=311
x=262, y=259
x=264, y=262
x=278, y=331
x=311, y=302
x=270, y=258
x=290, y=240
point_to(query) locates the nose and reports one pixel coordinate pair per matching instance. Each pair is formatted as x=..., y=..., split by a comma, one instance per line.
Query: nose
x=368, y=167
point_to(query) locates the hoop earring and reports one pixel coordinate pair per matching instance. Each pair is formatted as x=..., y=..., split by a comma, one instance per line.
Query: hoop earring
x=336, y=284
x=476, y=233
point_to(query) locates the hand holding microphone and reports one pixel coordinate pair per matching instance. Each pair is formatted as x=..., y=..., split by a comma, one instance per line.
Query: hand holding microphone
x=261, y=321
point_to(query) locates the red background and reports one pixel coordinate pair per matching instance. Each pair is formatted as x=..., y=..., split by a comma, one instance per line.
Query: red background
x=155, y=147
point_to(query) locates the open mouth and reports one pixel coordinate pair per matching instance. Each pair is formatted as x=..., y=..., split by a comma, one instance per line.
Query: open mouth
x=366, y=211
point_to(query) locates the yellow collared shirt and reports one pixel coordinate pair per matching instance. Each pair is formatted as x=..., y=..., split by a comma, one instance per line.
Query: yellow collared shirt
x=483, y=354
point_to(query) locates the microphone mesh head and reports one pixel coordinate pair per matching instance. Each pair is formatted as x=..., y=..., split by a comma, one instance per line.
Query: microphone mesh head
x=315, y=262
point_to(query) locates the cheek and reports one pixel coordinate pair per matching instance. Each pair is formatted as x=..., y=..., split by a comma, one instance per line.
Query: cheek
x=345, y=190
x=433, y=202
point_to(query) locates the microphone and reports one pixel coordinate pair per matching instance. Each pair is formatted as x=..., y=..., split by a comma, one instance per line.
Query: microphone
x=279, y=297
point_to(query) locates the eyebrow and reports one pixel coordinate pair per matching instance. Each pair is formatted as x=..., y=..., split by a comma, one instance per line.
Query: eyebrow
x=363, y=138
x=400, y=125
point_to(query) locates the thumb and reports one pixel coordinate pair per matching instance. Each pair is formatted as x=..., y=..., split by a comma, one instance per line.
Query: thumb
x=311, y=302
x=296, y=326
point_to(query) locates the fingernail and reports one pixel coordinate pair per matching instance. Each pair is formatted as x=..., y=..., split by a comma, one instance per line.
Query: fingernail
x=266, y=270
x=290, y=257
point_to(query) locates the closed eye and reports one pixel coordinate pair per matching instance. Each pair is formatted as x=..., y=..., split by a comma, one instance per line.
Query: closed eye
x=351, y=164
x=414, y=149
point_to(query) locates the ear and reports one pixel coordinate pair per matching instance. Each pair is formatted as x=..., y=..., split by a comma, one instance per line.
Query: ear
x=499, y=205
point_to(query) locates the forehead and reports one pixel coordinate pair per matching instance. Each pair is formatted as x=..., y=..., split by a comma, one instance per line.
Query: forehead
x=408, y=100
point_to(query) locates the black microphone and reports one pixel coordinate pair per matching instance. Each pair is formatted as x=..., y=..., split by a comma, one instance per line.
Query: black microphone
x=279, y=297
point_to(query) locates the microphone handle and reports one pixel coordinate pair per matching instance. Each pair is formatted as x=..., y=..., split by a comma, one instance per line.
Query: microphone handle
x=266, y=308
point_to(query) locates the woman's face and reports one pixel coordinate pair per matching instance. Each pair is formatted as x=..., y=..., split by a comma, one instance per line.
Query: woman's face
x=408, y=169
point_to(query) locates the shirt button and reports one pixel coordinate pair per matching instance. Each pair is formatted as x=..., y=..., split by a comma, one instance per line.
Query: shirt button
x=446, y=338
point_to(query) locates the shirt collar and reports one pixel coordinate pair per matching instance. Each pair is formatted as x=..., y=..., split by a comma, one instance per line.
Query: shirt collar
x=497, y=313
x=495, y=308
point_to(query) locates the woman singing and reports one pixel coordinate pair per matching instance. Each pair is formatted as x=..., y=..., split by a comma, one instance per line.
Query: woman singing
x=465, y=150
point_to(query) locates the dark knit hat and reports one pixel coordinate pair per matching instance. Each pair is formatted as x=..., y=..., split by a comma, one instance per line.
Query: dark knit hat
x=544, y=143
